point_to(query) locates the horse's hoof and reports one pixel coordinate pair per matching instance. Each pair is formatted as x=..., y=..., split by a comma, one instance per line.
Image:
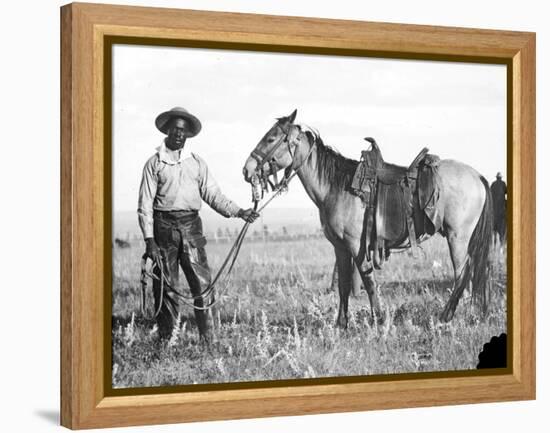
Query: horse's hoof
x=446, y=315
x=342, y=324
x=206, y=337
x=380, y=317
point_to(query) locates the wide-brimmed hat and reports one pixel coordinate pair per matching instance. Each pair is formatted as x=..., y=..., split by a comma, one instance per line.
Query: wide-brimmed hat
x=163, y=120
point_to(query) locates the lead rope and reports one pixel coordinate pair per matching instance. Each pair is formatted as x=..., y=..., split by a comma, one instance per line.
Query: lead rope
x=144, y=275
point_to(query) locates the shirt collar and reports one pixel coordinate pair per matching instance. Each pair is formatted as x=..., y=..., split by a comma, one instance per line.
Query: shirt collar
x=166, y=155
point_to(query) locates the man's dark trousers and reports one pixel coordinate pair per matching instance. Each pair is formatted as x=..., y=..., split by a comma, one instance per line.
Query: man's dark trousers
x=182, y=243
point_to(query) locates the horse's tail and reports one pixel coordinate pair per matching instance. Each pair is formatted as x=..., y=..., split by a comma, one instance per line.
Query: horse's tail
x=479, y=249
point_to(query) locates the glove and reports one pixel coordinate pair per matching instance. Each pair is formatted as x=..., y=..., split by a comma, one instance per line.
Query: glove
x=248, y=215
x=152, y=250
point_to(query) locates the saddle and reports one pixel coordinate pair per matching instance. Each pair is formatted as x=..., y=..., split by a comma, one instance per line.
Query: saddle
x=401, y=202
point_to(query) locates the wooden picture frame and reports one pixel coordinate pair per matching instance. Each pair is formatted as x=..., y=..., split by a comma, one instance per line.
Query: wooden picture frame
x=86, y=33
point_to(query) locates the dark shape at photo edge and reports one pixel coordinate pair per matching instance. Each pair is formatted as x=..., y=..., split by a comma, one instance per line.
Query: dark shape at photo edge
x=494, y=353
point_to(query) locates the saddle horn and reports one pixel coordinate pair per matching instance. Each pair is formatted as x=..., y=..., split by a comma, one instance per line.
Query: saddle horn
x=372, y=141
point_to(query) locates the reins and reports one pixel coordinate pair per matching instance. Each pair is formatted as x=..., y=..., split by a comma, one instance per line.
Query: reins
x=259, y=184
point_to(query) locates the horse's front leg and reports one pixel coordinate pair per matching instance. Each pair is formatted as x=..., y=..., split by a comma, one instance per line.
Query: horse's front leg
x=367, y=275
x=344, y=263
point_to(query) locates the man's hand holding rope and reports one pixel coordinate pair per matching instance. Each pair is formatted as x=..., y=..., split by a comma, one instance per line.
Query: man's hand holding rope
x=152, y=250
x=248, y=215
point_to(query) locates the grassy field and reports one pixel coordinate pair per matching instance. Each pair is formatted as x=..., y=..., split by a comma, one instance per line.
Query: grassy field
x=276, y=320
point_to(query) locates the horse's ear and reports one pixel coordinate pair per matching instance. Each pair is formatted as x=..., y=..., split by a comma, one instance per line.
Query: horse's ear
x=310, y=136
x=292, y=116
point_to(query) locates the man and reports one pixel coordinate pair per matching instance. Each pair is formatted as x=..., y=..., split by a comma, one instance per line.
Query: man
x=173, y=185
x=499, y=192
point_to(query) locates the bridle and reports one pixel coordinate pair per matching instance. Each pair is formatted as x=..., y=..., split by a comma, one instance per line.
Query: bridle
x=261, y=157
x=260, y=179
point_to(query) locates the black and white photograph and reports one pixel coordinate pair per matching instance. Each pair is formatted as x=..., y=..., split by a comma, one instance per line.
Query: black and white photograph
x=282, y=216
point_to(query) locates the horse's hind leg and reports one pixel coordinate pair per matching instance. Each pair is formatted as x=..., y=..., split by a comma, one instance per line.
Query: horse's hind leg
x=344, y=263
x=458, y=247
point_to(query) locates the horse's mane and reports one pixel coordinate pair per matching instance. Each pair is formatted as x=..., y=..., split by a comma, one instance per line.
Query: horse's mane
x=332, y=167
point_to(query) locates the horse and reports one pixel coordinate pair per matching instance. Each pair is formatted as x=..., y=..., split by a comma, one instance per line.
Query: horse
x=326, y=176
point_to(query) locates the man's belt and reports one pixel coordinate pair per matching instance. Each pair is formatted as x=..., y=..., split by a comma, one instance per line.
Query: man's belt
x=176, y=216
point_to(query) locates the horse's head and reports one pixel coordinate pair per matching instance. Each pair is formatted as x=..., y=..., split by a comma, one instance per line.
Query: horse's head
x=276, y=149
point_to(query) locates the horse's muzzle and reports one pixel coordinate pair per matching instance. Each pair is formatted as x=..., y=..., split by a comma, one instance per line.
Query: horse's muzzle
x=249, y=169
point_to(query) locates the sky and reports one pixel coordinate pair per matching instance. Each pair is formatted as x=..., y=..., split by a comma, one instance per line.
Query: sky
x=457, y=110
